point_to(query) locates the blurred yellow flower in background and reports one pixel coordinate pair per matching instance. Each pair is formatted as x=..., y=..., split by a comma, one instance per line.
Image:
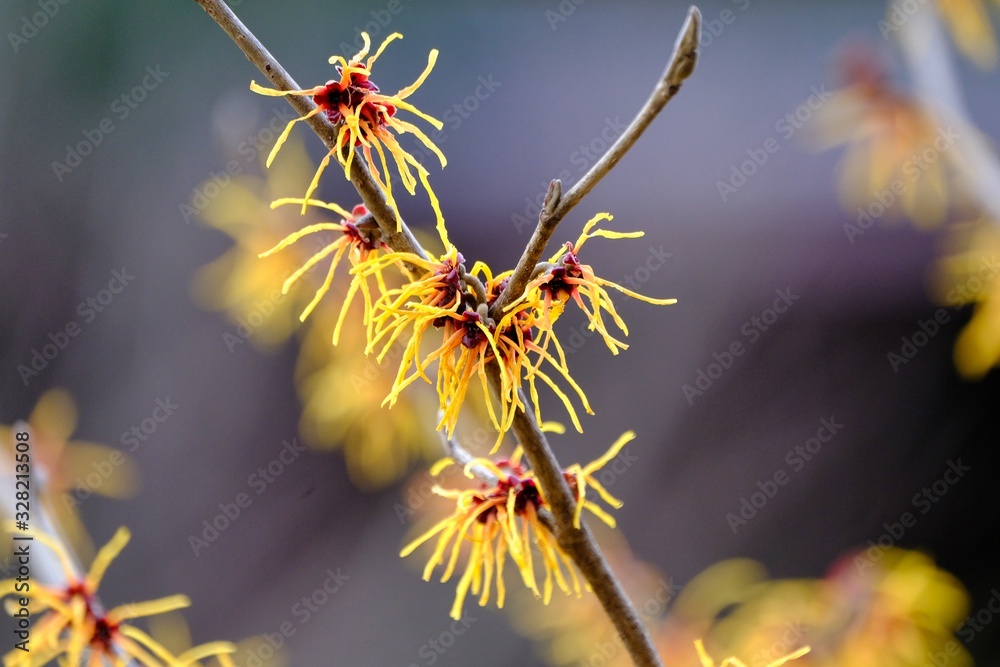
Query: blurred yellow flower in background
x=898, y=150
x=337, y=386
x=893, y=607
x=238, y=283
x=890, y=607
x=341, y=392
x=967, y=274
x=68, y=471
x=969, y=22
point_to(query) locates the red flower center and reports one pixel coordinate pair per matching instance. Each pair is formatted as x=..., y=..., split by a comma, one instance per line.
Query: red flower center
x=338, y=100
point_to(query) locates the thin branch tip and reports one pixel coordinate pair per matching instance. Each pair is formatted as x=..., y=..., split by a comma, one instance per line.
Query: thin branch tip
x=552, y=198
x=685, y=56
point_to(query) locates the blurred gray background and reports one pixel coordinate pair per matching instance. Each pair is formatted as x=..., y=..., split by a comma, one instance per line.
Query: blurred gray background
x=559, y=86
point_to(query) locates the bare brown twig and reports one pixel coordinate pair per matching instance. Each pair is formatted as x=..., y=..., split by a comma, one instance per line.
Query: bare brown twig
x=557, y=205
x=579, y=544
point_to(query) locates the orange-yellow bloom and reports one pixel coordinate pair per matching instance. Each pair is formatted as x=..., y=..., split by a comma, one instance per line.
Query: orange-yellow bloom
x=71, y=623
x=500, y=519
x=579, y=477
x=521, y=340
x=360, y=239
x=367, y=118
x=457, y=302
x=564, y=277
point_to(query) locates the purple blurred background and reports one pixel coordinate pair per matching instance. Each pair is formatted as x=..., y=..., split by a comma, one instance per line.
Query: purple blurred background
x=556, y=86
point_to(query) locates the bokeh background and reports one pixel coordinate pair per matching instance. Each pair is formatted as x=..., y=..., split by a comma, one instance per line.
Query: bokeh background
x=558, y=85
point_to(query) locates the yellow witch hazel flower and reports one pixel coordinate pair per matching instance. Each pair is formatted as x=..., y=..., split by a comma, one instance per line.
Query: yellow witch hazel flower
x=501, y=519
x=367, y=118
x=564, y=277
x=457, y=302
x=72, y=627
x=238, y=283
x=358, y=236
x=520, y=340
x=340, y=389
